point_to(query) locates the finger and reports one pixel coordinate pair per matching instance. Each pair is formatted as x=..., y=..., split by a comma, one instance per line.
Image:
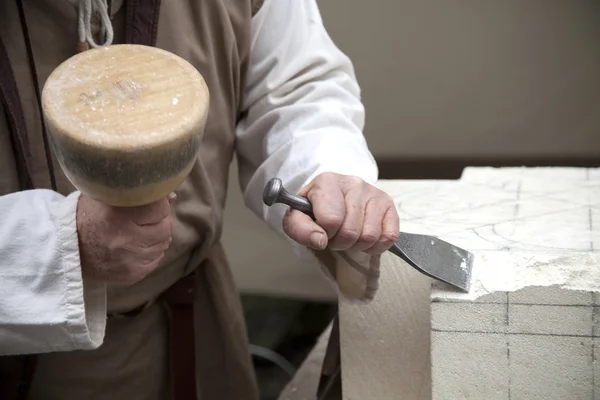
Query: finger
x=301, y=228
x=148, y=254
x=151, y=235
x=153, y=264
x=172, y=197
x=150, y=214
x=329, y=208
x=140, y=269
x=352, y=225
x=156, y=247
x=370, y=234
x=390, y=231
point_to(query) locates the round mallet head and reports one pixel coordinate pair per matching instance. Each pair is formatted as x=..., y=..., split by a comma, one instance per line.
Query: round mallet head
x=126, y=122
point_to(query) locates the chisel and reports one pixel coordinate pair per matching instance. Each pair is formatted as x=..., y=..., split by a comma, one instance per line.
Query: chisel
x=429, y=255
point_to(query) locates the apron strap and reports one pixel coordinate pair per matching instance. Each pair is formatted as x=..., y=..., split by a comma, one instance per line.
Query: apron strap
x=11, y=102
x=141, y=21
x=16, y=372
x=179, y=300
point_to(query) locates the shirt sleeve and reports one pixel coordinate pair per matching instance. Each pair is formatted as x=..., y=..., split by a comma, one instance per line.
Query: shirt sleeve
x=303, y=112
x=45, y=305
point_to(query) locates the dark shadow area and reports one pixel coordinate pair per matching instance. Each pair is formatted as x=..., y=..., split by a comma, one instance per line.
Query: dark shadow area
x=452, y=168
x=282, y=332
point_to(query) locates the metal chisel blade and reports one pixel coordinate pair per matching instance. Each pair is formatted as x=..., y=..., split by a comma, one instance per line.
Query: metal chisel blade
x=436, y=258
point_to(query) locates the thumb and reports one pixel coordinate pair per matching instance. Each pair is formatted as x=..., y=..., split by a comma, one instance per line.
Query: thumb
x=301, y=228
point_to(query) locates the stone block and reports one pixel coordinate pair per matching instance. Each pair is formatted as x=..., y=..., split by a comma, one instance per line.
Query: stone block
x=540, y=344
x=529, y=329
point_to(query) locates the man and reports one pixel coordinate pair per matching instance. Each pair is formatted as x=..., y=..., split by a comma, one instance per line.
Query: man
x=82, y=288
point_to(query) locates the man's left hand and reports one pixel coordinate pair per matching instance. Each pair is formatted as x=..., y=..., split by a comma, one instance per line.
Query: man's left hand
x=350, y=214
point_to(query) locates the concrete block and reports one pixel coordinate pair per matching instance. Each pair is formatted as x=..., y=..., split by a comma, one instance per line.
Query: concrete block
x=480, y=359
x=529, y=328
x=520, y=350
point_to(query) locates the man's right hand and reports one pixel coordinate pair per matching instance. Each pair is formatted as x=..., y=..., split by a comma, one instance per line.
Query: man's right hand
x=122, y=244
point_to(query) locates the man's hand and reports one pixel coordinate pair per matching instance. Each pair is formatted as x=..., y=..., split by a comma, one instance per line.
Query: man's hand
x=122, y=244
x=350, y=215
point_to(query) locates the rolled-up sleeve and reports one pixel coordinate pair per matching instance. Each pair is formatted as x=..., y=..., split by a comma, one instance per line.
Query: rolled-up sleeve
x=303, y=116
x=45, y=304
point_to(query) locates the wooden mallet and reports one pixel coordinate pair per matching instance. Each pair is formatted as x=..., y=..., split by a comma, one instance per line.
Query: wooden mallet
x=126, y=122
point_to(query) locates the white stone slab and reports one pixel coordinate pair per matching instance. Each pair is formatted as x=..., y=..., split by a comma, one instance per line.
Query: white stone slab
x=526, y=331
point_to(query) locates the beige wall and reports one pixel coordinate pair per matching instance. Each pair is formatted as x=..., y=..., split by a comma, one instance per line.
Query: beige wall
x=449, y=77
x=467, y=77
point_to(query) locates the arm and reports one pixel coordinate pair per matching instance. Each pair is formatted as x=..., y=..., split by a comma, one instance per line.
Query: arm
x=45, y=305
x=304, y=113
x=303, y=117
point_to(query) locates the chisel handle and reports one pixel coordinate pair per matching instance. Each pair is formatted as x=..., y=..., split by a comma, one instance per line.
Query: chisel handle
x=349, y=280
x=275, y=193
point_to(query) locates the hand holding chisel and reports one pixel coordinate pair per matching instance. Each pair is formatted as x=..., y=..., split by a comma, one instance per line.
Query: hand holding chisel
x=429, y=255
x=351, y=215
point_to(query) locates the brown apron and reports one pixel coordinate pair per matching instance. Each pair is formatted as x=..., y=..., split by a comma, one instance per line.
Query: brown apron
x=16, y=372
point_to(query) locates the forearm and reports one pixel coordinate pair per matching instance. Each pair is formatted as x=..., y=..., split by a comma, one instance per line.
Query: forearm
x=45, y=304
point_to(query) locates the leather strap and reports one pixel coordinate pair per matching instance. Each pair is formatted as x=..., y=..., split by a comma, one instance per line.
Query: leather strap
x=141, y=21
x=38, y=93
x=16, y=372
x=9, y=97
x=15, y=376
x=180, y=304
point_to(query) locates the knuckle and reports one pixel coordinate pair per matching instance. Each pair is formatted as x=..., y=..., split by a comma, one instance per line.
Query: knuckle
x=330, y=221
x=325, y=180
x=163, y=228
x=166, y=226
x=324, y=177
x=389, y=237
x=384, y=198
x=137, y=242
x=348, y=234
x=138, y=270
x=154, y=263
x=393, y=236
x=165, y=245
x=355, y=180
x=351, y=181
x=369, y=236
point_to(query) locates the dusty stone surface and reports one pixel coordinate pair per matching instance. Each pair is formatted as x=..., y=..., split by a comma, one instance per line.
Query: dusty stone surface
x=528, y=328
